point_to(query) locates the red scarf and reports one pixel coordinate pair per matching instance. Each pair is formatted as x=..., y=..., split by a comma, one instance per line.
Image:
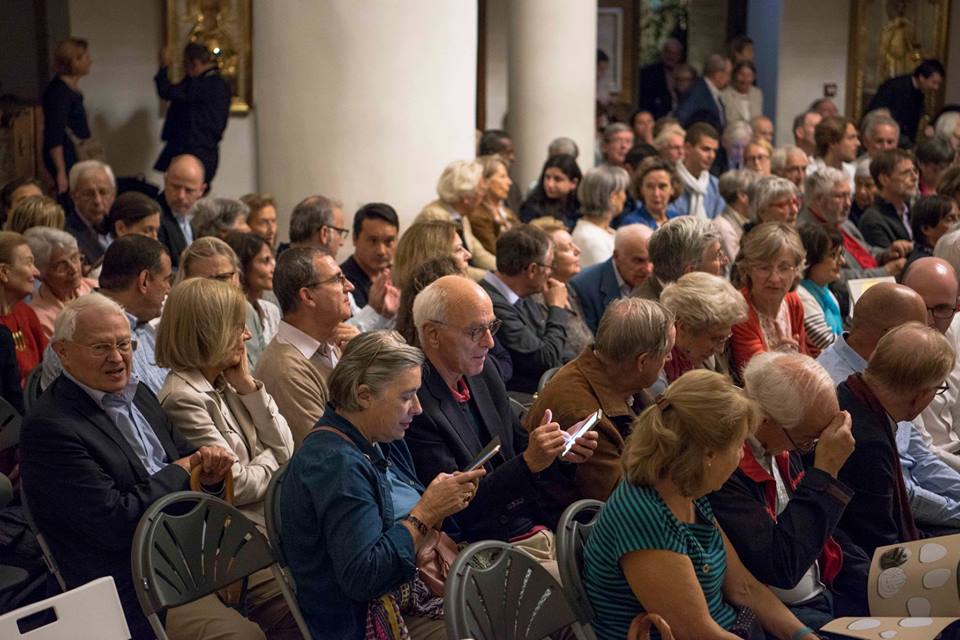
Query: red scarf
x=462, y=393
x=863, y=257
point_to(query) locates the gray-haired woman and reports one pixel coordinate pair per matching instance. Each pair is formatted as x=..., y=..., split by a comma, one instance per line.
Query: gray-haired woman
x=602, y=194
x=354, y=514
x=60, y=264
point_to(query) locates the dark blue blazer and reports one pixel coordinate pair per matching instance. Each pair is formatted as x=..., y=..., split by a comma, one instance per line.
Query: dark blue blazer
x=699, y=106
x=596, y=287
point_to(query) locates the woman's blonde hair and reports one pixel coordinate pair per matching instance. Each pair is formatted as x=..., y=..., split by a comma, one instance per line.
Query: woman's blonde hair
x=549, y=224
x=36, y=211
x=702, y=301
x=700, y=413
x=423, y=241
x=490, y=164
x=373, y=359
x=459, y=180
x=200, y=323
x=9, y=241
x=762, y=244
x=201, y=249
x=66, y=55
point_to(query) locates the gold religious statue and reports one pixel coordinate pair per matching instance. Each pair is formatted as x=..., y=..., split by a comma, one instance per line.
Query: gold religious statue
x=208, y=30
x=899, y=49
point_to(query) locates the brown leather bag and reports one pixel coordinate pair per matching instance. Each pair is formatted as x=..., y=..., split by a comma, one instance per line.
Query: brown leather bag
x=437, y=552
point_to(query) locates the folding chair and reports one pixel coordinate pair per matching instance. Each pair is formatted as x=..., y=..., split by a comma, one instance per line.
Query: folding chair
x=48, y=558
x=33, y=390
x=271, y=509
x=189, y=545
x=10, y=422
x=514, y=598
x=89, y=612
x=574, y=528
x=12, y=579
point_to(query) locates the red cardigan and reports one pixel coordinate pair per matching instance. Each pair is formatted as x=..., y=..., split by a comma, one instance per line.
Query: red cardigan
x=28, y=338
x=747, y=337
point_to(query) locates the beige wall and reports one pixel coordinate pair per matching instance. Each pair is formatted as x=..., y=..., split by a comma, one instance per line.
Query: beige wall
x=497, y=50
x=122, y=104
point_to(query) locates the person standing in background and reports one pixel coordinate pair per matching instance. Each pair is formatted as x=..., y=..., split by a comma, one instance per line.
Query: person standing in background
x=64, y=117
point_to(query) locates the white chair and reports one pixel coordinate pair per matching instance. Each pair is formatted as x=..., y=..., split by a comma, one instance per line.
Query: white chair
x=89, y=612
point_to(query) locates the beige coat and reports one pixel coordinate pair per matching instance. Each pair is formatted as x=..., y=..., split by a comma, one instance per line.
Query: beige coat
x=248, y=425
x=297, y=385
x=482, y=259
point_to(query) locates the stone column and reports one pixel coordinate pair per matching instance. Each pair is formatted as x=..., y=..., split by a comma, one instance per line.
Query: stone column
x=363, y=101
x=552, y=80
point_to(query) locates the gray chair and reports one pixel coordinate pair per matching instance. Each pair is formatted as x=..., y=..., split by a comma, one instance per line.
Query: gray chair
x=10, y=422
x=48, y=558
x=12, y=579
x=271, y=512
x=33, y=390
x=514, y=598
x=189, y=545
x=545, y=378
x=574, y=528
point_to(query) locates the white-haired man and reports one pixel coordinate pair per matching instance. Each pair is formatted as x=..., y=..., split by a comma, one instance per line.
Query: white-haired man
x=97, y=450
x=92, y=190
x=465, y=406
x=781, y=517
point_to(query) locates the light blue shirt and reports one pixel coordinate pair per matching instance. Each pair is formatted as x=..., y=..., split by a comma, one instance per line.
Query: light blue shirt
x=132, y=424
x=713, y=204
x=502, y=287
x=143, y=362
x=932, y=486
x=185, y=226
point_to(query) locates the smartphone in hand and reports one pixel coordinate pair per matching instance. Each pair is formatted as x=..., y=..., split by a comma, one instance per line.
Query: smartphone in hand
x=492, y=449
x=588, y=424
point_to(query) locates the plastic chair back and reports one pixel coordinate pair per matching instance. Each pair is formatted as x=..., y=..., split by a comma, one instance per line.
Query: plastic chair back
x=545, y=378
x=48, y=558
x=271, y=512
x=10, y=422
x=33, y=390
x=512, y=599
x=90, y=611
x=204, y=546
x=574, y=528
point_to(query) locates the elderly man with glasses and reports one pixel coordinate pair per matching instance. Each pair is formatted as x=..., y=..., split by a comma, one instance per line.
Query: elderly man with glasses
x=465, y=406
x=533, y=334
x=782, y=517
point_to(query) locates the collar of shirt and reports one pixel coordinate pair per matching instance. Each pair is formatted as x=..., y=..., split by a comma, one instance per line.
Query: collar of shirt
x=625, y=289
x=846, y=352
x=127, y=394
x=305, y=344
x=502, y=287
x=713, y=90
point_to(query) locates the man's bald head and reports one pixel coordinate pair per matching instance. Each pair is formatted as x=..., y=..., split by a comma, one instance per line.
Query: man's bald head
x=936, y=282
x=631, y=253
x=183, y=183
x=882, y=307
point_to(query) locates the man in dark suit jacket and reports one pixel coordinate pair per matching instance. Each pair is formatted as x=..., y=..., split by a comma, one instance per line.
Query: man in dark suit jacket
x=535, y=337
x=703, y=103
x=183, y=185
x=904, y=96
x=597, y=286
x=199, y=109
x=93, y=189
x=656, y=84
x=97, y=450
x=888, y=219
x=904, y=373
x=465, y=406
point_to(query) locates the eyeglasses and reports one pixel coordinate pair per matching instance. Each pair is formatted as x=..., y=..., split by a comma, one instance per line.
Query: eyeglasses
x=104, y=349
x=783, y=270
x=341, y=279
x=223, y=277
x=342, y=232
x=73, y=262
x=476, y=332
x=805, y=448
x=943, y=311
x=942, y=389
x=545, y=267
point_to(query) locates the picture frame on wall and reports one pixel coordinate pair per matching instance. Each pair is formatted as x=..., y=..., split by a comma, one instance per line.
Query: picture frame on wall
x=617, y=37
x=225, y=27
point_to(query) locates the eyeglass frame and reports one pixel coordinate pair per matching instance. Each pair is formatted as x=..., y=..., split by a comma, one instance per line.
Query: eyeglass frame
x=120, y=347
x=475, y=333
x=340, y=278
x=944, y=309
x=344, y=233
x=942, y=389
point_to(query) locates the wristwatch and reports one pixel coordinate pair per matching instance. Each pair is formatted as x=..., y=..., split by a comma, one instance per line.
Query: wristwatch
x=418, y=524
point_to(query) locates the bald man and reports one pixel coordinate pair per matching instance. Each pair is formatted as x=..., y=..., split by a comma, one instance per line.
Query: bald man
x=183, y=185
x=597, y=286
x=465, y=406
x=936, y=282
x=932, y=485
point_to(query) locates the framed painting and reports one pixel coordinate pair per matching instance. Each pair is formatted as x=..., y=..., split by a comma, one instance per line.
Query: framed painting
x=225, y=27
x=889, y=38
x=616, y=36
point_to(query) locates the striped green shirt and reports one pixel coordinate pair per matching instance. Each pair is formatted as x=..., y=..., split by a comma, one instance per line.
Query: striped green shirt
x=636, y=519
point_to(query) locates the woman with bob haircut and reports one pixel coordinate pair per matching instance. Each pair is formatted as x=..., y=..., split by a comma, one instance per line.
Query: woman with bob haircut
x=35, y=211
x=769, y=265
x=602, y=194
x=492, y=216
x=256, y=277
x=656, y=546
x=354, y=515
x=17, y=274
x=555, y=195
x=212, y=399
x=706, y=307
x=60, y=263
x=655, y=187
x=774, y=199
x=423, y=241
x=64, y=117
x=134, y=213
x=931, y=218
x=821, y=310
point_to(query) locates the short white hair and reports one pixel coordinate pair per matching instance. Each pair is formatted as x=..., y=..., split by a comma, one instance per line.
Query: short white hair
x=738, y=131
x=822, y=181
x=703, y=301
x=948, y=248
x=44, y=241
x=84, y=167
x=459, y=180
x=430, y=305
x=778, y=160
x=767, y=189
x=946, y=123
x=65, y=326
x=786, y=385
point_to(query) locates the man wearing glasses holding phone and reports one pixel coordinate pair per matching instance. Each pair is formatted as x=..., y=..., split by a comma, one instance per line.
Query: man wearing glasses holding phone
x=780, y=517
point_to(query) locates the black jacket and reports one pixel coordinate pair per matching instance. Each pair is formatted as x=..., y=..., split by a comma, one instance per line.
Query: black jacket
x=881, y=224
x=443, y=439
x=700, y=106
x=170, y=233
x=655, y=95
x=87, y=488
x=88, y=240
x=534, y=338
x=905, y=102
x=359, y=279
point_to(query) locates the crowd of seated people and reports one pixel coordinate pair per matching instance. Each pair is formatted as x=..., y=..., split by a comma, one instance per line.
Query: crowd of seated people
x=763, y=427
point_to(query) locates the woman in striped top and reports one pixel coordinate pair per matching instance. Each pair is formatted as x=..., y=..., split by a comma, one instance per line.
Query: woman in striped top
x=656, y=546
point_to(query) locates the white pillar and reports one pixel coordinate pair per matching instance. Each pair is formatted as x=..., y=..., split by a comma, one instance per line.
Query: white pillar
x=363, y=101
x=552, y=85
